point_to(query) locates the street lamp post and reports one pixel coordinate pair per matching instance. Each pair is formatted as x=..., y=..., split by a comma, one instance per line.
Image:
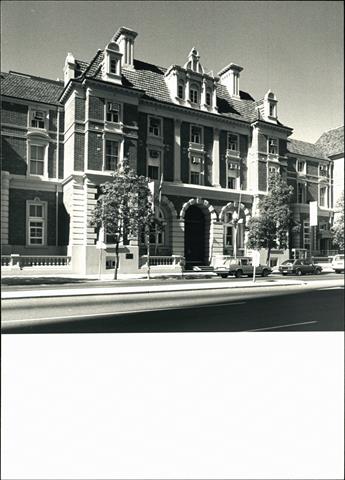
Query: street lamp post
x=236, y=220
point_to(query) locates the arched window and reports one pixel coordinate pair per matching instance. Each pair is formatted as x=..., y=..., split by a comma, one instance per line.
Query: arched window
x=233, y=228
x=157, y=232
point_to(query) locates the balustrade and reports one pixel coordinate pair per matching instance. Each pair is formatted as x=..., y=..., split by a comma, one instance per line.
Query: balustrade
x=23, y=261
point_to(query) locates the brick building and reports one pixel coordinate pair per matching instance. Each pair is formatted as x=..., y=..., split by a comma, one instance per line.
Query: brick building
x=213, y=145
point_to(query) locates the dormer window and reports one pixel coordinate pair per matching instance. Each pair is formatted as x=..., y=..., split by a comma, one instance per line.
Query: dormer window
x=273, y=146
x=208, y=98
x=113, y=65
x=180, y=90
x=38, y=119
x=194, y=94
x=196, y=134
x=155, y=126
x=113, y=112
x=272, y=110
x=233, y=142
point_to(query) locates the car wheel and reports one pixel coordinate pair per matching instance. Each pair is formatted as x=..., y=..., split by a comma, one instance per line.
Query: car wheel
x=299, y=272
x=238, y=273
x=265, y=273
x=317, y=271
x=284, y=274
x=224, y=275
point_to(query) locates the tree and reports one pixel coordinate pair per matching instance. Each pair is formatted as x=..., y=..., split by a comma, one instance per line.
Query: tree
x=124, y=207
x=338, y=227
x=270, y=229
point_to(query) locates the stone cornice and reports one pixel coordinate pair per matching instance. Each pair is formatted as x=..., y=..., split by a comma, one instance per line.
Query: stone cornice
x=264, y=126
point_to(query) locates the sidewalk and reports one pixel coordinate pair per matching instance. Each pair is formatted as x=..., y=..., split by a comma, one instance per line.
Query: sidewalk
x=145, y=289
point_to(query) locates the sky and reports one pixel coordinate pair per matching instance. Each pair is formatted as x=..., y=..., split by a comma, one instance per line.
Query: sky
x=295, y=49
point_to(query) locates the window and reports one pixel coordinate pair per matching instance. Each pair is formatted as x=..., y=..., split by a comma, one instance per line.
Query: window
x=231, y=182
x=113, y=112
x=323, y=170
x=232, y=142
x=193, y=94
x=272, y=110
x=208, y=98
x=228, y=236
x=306, y=235
x=195, y=178
x=301, y=166
x=273, y=146
x=37, y=154
x=272, y=169
x=113, y=65
x=180, y=90
x=38, y=119
x=300, y=193
x=323, y=196
x=196, y=134
x=35, y=223
x=111, y=155
x=157, y=232
x=155, y=126
x=154, y=164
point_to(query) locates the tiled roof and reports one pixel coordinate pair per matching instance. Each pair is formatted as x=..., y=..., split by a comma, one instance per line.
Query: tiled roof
x=305, y=148
x=29, y=87
x=150, y=78
x=332, y=142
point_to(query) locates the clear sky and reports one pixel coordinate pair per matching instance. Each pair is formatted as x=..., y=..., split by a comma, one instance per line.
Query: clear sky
x=294, y=48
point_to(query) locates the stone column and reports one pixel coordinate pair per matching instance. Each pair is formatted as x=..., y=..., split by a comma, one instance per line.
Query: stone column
x=5, y=190
x=215, y=159
x=177, y=152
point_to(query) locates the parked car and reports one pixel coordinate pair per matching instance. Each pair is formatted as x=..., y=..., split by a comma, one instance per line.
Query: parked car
x=338, y=263
x=240, y=266
x=299, y=267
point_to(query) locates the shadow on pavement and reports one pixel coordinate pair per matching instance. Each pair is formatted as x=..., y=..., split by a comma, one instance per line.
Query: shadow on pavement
x=11, y=281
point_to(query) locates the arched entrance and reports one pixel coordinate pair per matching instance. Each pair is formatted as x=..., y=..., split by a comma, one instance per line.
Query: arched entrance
x=196, y=237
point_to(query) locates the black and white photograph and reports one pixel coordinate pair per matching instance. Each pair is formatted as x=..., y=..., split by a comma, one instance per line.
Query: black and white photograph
x=172, y=239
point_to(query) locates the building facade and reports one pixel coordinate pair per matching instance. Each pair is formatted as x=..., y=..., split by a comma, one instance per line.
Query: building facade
x=212, y=144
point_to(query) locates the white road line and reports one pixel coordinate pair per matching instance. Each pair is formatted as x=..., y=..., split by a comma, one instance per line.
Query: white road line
x=281, y=326
x=107, y=314
x=331, y=288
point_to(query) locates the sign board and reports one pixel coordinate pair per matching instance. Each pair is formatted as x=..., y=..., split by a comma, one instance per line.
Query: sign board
x=255, y=258
x=313, y=214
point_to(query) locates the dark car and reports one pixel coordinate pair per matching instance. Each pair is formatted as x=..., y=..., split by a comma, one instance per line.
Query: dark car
x=299, y=267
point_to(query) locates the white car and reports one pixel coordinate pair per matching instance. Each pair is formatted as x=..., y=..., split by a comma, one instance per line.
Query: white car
x=338, y=263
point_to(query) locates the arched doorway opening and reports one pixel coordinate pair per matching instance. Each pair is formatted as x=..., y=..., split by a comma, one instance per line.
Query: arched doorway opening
x=196, y=237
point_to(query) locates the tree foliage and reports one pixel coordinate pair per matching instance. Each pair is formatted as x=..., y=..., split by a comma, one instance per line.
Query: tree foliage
x=338, y=227
x=270, y=228
x=124, y=207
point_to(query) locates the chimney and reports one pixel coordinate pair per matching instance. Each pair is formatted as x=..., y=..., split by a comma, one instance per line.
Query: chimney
x=230, y=78
x=125, y=37
x=69, y=68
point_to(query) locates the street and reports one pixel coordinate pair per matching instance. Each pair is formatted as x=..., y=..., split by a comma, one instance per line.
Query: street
x=315, y=305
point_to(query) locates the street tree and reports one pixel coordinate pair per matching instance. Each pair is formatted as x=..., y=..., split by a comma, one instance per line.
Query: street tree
x=270, y=227
x=338, y=227
x=124, y=207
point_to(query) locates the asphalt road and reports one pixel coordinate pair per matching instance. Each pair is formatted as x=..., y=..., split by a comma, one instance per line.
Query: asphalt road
x=311, y=307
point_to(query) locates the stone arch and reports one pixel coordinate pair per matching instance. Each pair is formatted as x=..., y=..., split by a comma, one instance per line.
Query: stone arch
x=201, y=202
x=231, y=206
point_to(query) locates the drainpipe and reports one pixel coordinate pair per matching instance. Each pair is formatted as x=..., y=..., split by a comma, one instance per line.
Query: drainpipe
x=57, y=178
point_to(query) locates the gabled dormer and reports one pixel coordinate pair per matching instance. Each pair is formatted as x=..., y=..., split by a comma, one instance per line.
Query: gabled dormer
x=111, y=69
x=190, y=86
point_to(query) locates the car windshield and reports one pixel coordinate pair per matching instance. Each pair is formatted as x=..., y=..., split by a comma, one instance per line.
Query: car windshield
x=288, y=262
x=339, y=257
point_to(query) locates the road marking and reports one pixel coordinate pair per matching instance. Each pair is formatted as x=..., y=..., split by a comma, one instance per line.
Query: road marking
x=82, y=317
x=282, y=326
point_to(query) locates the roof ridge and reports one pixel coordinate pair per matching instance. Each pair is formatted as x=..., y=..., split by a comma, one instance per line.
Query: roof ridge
x=34, y=77
x=92, y=61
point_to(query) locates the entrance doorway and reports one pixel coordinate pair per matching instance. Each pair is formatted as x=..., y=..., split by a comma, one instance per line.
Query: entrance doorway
x=195, y=248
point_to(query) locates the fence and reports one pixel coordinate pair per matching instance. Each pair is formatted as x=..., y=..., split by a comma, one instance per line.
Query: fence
x=163, y=261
